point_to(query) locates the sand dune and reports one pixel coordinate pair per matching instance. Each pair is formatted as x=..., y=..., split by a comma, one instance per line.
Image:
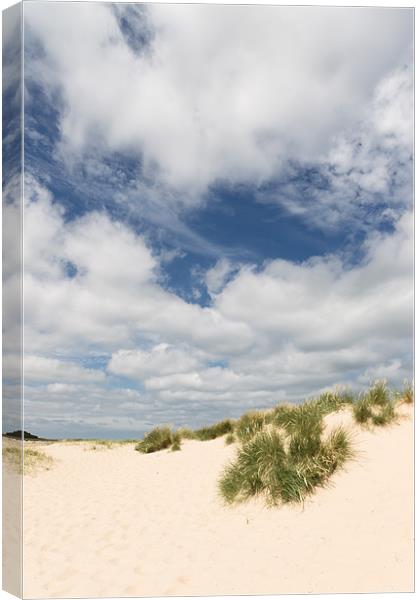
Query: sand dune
x=113, y=522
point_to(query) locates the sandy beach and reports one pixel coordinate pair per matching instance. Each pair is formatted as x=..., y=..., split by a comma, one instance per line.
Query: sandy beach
x=114, y=522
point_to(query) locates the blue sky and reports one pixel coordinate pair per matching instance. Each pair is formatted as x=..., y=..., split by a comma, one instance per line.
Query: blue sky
x=218, y=210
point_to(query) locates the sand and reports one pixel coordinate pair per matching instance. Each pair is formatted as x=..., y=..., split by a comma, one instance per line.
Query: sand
x=114, y=522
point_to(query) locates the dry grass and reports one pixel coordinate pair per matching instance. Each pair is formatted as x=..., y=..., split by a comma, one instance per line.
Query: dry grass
x=33, y=459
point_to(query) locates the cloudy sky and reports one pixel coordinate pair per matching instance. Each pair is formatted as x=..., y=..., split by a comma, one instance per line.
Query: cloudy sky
x=218, y=209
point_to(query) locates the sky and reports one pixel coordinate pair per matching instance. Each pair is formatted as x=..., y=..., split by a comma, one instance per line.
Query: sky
x=218, y=210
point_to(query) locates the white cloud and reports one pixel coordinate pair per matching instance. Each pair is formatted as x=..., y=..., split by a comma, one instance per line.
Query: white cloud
x=162, y=359
x=365, y=176
x=39, y=368
x=223, y=92
x=216, y=277
x=322, y=304
x=113, y=300
x=244, y=94
x=285, y=330
x=60, y=388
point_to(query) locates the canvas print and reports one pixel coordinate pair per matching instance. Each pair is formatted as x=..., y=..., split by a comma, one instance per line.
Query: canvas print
x=207, y=299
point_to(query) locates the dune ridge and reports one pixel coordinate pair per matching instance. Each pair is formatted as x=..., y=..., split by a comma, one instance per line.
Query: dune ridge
x=118, y=523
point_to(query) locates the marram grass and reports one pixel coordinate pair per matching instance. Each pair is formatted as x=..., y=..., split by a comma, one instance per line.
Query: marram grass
x=286, y=456
x=376, y=406
x=283, y=454
x=214, y=431
x=157, y=439
x=264, y=466
x=32, y=459
x=407, y=393
x=250, y=424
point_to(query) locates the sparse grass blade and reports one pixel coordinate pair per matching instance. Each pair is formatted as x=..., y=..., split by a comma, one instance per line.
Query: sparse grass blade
x=214, y=431
x=176, y=445
x=330, y=402
x=407, y=393
x=375, y=406
x=157, y=439
x=250, y=424
x=186, y=433
x=32, y=459
x=378, y=394
x=385, y=416
x=230, y=439
x=362, y=410
x=256, y=467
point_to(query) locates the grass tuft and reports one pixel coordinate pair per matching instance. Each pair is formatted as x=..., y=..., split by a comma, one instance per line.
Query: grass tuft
x=230, y=439
x=375, y=406
x=264, y=466
x=407, y=393
x=362, y=410
x=176, y=445
x=186, y=433
x=157, y=439
x=330, y=402
x=256, y=467
x=214, y=431
x=250, y=424
x=32, y=459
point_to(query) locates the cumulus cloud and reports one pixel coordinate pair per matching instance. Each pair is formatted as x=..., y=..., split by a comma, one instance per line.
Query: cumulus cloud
x=163, y=359
x=321, y=303
x=242, y=90
x=91, y=284
x=283, y=331
x=216, y=277
x=305, y=108
x=38, y=368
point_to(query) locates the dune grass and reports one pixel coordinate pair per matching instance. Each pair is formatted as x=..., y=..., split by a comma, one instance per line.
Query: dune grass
x=310, y=459
x=186, y=433
x=32, y=459
x=176, y=444
x=267, y=465
x=164, y=437
x=284, y=454
x=250, y=424
x=333, y=401
x=376, y=406
x=285, y=457
x=407, y=394
x=100, y=445
x=214, y=431
x=157, y=439
x=176, y=441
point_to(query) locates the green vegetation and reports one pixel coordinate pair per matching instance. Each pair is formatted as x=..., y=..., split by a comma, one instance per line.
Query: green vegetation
x=214, y=431
x=283, y=453
x=157, y=439
x=376, y=406
x=407, y=393
x=250, y=424
x=282, y=469
x=33, y=459
x=176, y=444
x=255, y=470
x=230, y=439
x=186, y=433
x=161, y=438
x=330, y=402
x=100, y=445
